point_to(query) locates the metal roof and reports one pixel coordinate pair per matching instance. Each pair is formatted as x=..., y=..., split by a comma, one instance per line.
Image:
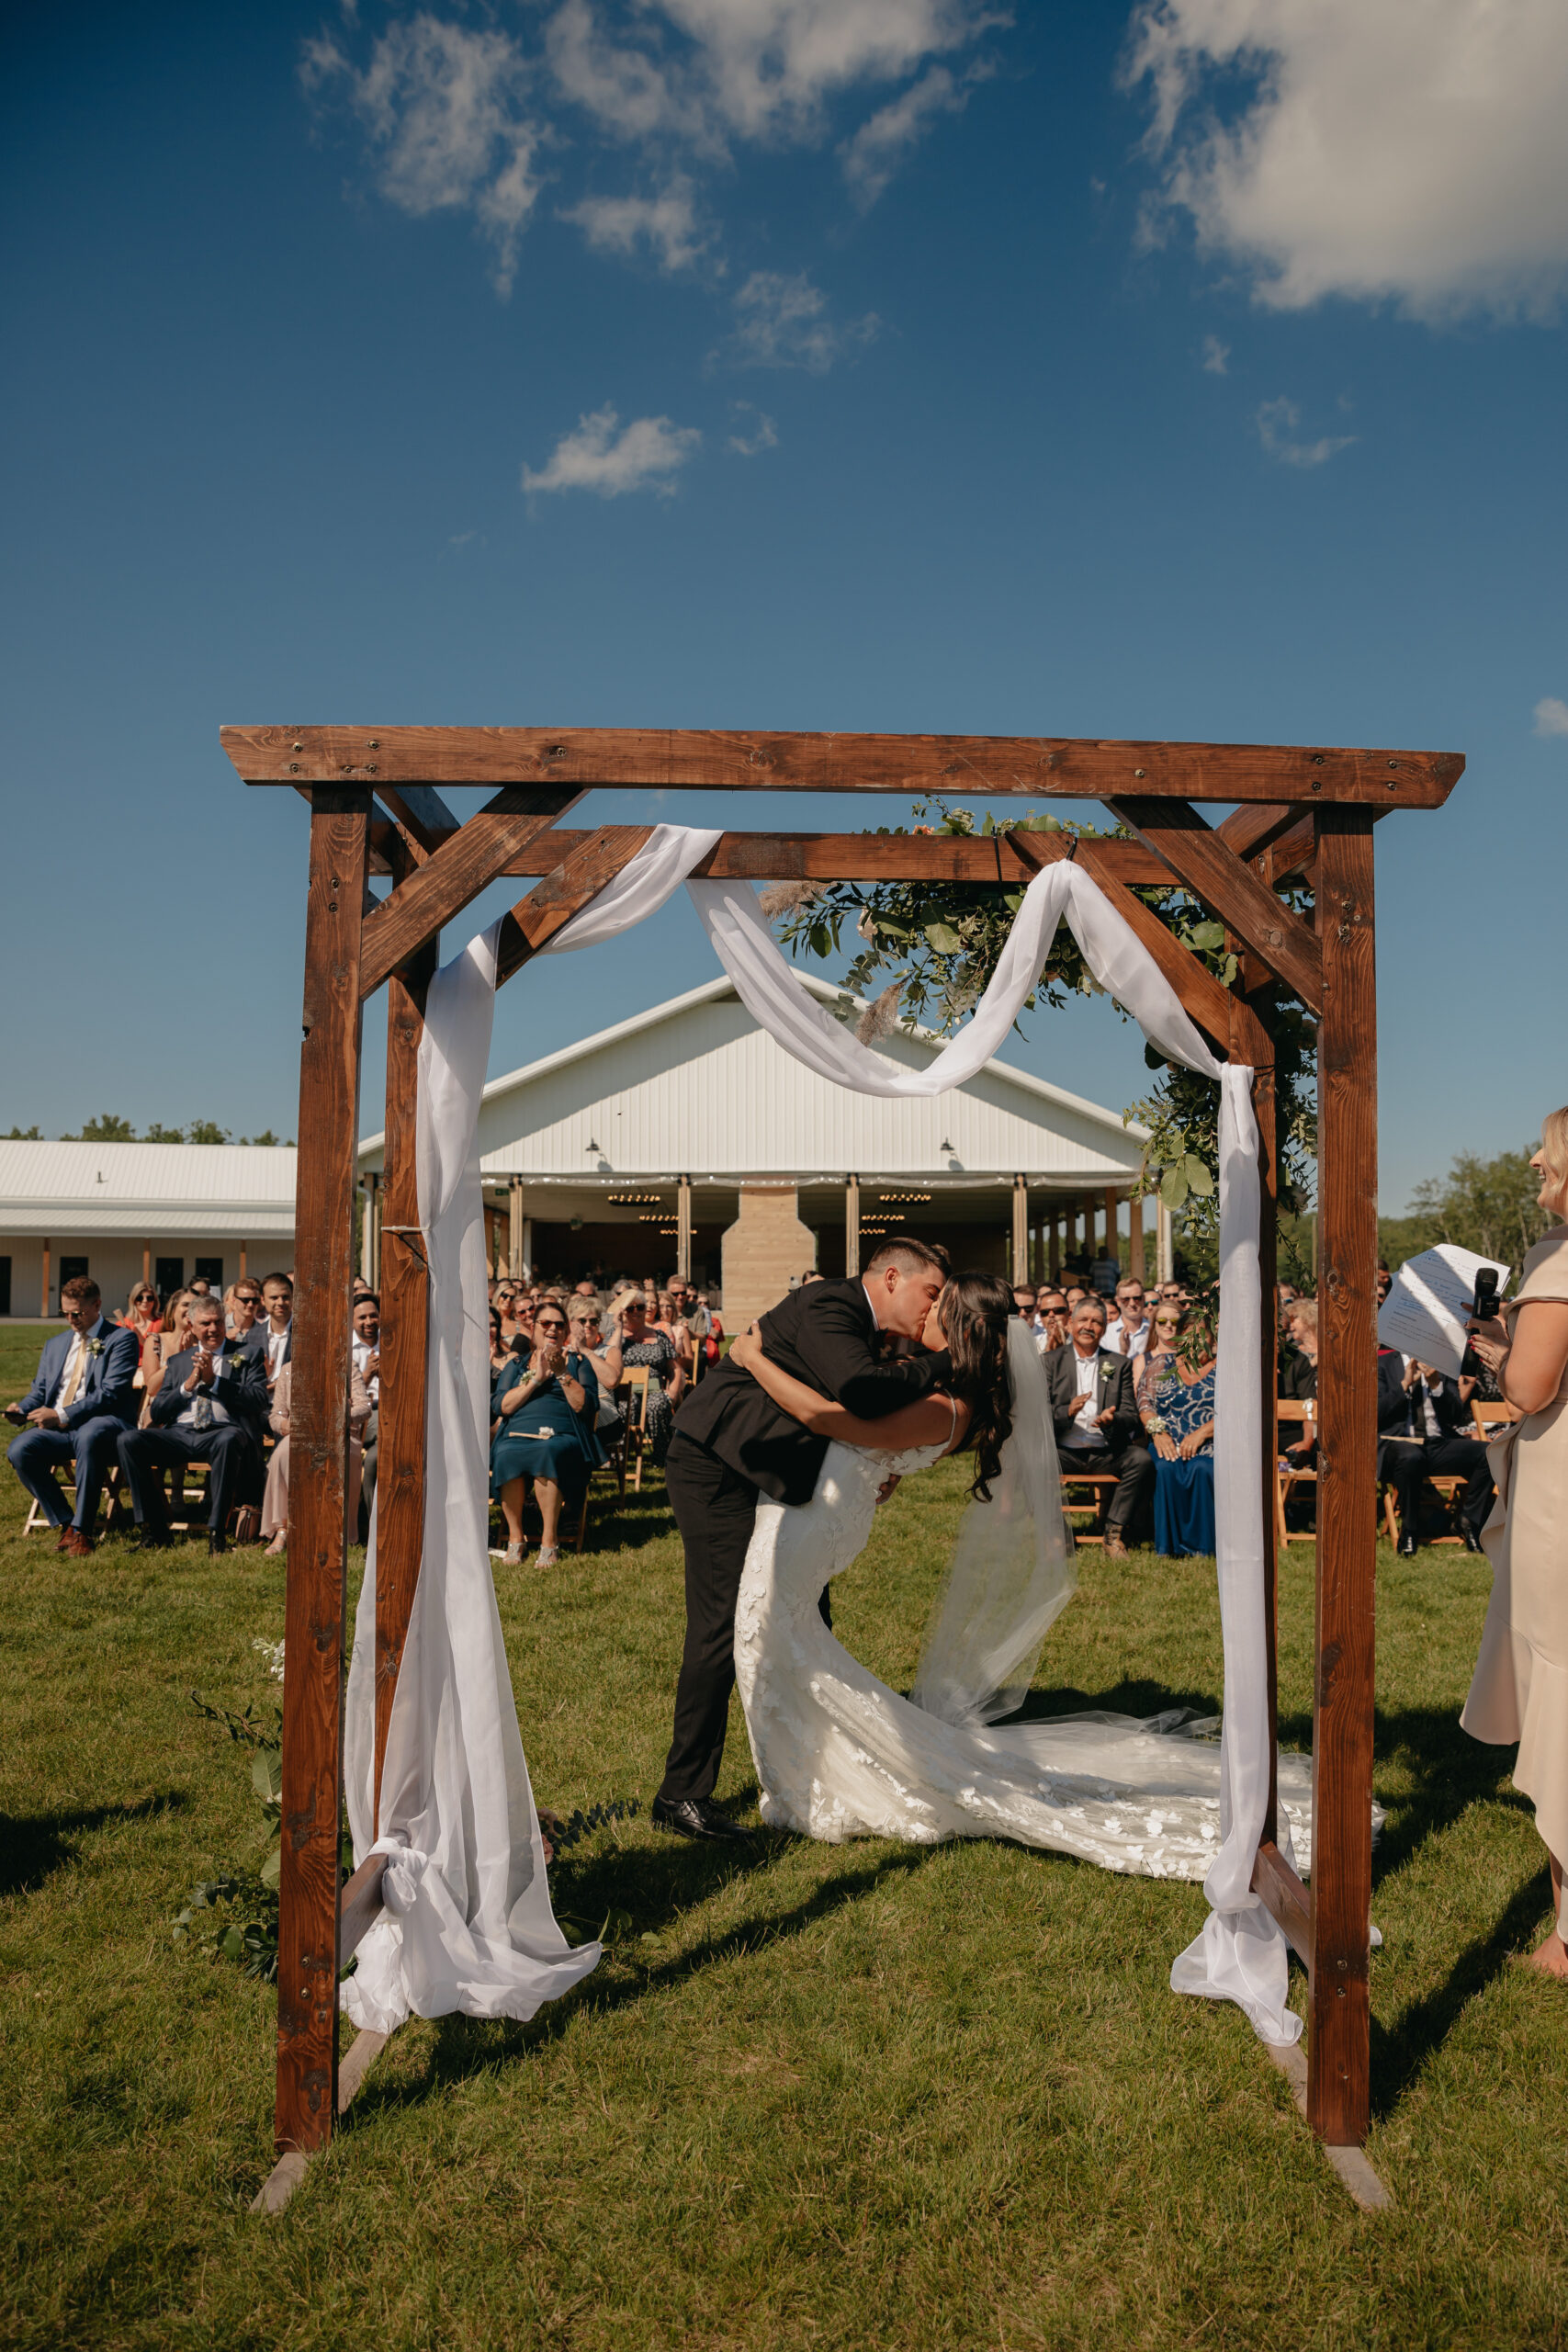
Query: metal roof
x=716, y=1095
x=147, y=1189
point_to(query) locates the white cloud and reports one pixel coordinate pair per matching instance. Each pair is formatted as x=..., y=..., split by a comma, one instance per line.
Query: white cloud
x=769, y=65
x=631, y=91
x=1552, y=716
x=1411, y=151
x=443, y=110
x=783, y=322
x=1216, y=356
x=645, y=455
x=1278, y=423
x=668, y=223
x=765, y=435
x=881, y=144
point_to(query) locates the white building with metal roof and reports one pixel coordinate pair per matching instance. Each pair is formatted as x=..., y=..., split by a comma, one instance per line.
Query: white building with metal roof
x=129, y=1212
x=685, y=1138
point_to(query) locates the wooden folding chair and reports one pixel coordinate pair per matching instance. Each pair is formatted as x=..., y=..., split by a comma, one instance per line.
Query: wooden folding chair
x=1295, y=1418
x=115, y=1502
x=631, y=1395
x=1102, y=1486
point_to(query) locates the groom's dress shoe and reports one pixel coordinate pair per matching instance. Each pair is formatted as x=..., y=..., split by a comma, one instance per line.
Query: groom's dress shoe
x=696, y=1817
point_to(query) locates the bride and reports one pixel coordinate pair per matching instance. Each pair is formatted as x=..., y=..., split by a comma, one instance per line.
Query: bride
x=841, y=1755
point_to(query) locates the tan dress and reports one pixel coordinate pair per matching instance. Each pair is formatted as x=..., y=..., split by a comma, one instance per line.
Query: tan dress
x=1520, y=1686
x=274, y=1504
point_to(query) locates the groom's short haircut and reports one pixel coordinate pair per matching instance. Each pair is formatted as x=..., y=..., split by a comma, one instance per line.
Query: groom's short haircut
x=903, y=1251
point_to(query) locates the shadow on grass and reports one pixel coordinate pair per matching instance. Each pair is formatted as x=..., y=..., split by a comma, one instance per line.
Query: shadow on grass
x=1400, y=2052
x=653, y=1885
x=33, y=1846
x=1449, y=1772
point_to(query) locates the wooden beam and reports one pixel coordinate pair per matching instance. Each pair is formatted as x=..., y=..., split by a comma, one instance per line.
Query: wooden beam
x=536, y=920
x=399, y=1483
x=1292, y=854
x=1211, y=868
x=971, y=767
x=315, y=1623
x=359, y=1907
x=1284, y=1897
x=1210, y=1005
x=455, y=875
x=865, y=857
x=1338, y=2048
x=1248, y=830
x=422, y=811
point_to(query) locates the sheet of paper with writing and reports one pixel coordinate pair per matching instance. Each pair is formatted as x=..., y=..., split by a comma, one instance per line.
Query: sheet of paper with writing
x=1426, y=1313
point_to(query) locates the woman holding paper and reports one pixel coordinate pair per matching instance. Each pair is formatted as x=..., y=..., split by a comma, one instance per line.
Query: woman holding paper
x=1521, y=1689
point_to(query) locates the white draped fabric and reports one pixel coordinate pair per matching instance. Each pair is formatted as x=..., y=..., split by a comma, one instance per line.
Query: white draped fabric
x=474, y=1929
x=468, y=1923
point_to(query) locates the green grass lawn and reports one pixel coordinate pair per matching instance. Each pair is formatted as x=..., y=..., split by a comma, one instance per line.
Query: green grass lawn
x=825, y=2096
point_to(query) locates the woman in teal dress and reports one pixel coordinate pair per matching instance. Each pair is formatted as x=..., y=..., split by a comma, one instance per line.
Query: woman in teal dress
x=1177, y=1409
x=546, y=1400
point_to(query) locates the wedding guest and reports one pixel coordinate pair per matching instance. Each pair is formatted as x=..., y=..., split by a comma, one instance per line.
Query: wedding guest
x=1298, y=1357
x=1181, y=1427
x=1518, y=1692
x=1024, y=1297
x=164, y=1345
x=274, y=1339
x=242, y=1308
x=1128, y=1329
x=275, y=1503
x=641, y=1345
x=1096, y=1417
x=141, y=1314
x=1385, y=1282
x=498, y=1347
x=1425, y=1431
x=1159, y=1355
x=1050, y=1320
x=546, y=1405
x=211, y=1407
x=367, y=1363
x=82, y=1401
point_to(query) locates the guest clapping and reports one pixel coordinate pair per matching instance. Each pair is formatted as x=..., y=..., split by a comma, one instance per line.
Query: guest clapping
x=1180, y=1426
x=211, y=1407
x=1096, y=1419
x=547, y=1404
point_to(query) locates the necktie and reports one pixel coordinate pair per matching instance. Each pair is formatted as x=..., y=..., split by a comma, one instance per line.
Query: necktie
x=73, y=1378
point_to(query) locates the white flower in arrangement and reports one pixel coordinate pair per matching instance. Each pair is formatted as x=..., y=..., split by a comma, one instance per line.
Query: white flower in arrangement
x=272, y=1656
x=95, y=1347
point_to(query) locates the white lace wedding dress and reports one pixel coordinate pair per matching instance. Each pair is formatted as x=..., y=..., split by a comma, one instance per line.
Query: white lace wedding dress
x=841, y=1755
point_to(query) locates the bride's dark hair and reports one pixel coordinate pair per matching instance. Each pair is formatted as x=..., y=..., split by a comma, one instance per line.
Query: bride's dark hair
x=974, y=1311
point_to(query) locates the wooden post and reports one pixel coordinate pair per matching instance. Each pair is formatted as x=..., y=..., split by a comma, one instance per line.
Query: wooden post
x=852, y=1227
x=147, y=1263
x=683, y=1231
x=241, y=1262
x=399, y=1481
x=1338, y=2040
x=528, y=1249
x=1055, y=1250
x=315, y=1611
x=1020, y=1230
x=1113, y=1239
x=43, y=1309
x=1136, y=1238
x=514, y=1229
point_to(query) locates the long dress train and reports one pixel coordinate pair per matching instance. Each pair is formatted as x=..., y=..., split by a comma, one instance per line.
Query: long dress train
x=841, y=1755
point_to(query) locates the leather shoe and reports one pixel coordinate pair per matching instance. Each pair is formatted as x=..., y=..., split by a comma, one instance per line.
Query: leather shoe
x=1471, y=1540
x=75, y=1545
x=1407, y=1547
x=217, y=1542
x=696, y=1817
x=1114, y=1548
x=155, y=1539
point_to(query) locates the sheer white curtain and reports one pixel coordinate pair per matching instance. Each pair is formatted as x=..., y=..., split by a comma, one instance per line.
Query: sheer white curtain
x=476, y=1929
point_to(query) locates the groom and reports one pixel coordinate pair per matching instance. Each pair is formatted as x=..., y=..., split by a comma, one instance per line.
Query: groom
x=732, y=1443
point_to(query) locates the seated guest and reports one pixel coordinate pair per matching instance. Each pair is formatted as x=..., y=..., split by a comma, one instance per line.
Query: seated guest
x=242, y=1307
x=211, y=1407
x=499, y=1349
x=1024, y=1299
x=547, y=1402
x=1298, y=1357
x=666, y=1379
x=1096, y=1417
x=1050, y=1319
x=1127, y=1333
x=1425, y=1431
x=1160, y=1354
x=367, y=1363
x=273, y=1339
x=1182, y=1428
x=275, y=1505
x=82, y=1402
x=164, y=1344
x=141, y=1314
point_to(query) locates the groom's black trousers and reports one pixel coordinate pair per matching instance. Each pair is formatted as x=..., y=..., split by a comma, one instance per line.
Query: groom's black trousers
x=714, y=1508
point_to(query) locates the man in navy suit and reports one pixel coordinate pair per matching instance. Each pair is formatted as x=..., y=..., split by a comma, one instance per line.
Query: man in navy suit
x=81, y=1403
x=212, y=1408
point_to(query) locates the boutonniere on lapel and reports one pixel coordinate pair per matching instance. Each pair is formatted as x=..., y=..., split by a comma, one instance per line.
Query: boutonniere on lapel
x=95, y=1347
x=1106, y=1367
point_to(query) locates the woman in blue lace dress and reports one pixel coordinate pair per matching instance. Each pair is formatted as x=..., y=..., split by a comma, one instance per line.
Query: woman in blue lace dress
x=1178, y=1407
x=546, y=1400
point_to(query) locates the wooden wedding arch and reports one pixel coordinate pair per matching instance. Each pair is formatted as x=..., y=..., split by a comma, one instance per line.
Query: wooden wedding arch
x=376, y=808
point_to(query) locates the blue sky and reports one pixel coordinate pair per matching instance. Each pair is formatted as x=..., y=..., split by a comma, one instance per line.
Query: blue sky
x=895, y=364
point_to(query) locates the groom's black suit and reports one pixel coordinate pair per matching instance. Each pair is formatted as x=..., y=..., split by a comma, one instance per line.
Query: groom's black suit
x=732, y=1442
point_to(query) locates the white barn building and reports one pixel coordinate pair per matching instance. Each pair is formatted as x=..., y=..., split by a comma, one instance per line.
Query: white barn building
x=685, y=1140
x=125, y=1213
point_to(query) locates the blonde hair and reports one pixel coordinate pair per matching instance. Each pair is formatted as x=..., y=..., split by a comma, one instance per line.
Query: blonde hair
x=1554, y=1156
x=630, y=1295
x=1302, y=1310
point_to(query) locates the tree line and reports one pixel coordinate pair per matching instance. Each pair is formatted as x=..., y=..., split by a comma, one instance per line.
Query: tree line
x=109, y=1127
